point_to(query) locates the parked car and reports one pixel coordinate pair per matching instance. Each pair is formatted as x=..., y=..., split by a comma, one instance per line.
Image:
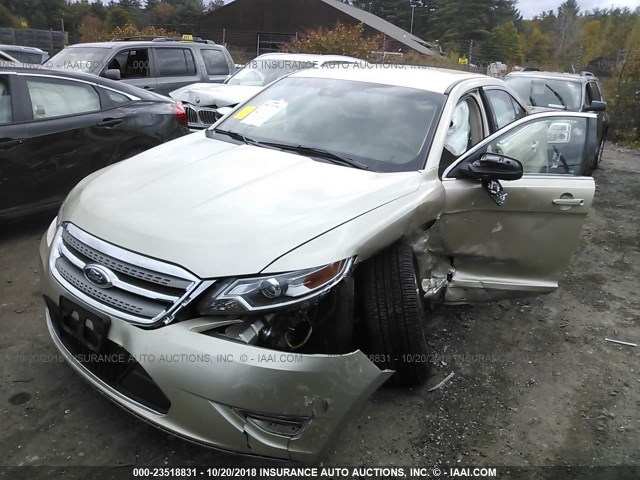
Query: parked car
x=25, y=54
x=206, y=103
x=58, y=127
x=161, y=65
x=5, y=57
x=239, y=273
x=564, y=91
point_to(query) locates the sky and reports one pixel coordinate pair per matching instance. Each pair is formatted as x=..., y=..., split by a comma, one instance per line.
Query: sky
x=529, y=8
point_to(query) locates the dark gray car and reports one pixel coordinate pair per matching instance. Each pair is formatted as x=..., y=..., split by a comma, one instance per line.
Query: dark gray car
x=25, y=54
x=564, y=91
x=58, y=127
x=161, y=65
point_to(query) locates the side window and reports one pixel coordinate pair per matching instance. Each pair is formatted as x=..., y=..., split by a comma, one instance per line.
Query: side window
x=501, y=105
x=131, y=63
x=594, y=92
x=174, y=62
x=116, y=98
x=215, y=62
x=554, y=146
x=6, y=114
x=56, y=97
x=465, y=130
x=520, y=112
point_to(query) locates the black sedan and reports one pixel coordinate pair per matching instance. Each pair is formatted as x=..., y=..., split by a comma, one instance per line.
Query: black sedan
x=58, y=127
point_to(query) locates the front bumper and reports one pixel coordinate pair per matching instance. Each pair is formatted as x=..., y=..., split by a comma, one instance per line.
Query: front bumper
x=227, y=394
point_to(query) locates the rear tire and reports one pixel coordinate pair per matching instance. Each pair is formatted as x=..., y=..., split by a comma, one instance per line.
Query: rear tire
x=394, y=314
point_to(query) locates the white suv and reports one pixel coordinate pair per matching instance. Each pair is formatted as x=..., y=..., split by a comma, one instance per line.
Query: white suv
x=249, y=286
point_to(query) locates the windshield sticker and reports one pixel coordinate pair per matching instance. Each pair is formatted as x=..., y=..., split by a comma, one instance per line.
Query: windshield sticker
x=244, y=112
x=264, y=112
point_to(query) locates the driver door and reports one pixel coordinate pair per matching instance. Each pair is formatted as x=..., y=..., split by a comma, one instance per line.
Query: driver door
x=522, y=246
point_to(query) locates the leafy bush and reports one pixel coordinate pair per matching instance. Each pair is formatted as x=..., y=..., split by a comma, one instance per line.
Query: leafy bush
x=130, y=30
x=342, y=40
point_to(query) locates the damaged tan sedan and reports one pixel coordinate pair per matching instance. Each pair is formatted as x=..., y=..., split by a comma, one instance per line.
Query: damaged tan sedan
x=248, y=287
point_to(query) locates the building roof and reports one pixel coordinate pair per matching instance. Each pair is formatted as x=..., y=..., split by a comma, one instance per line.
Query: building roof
x=387, y=28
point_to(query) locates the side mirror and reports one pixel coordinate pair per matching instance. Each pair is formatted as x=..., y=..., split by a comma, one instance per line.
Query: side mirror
x=597, y=106
x=493, y=167
x=112, y=74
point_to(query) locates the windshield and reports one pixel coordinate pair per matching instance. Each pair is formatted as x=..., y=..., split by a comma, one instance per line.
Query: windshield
x=25, y=57
x=85, y=59
x=383, y=127
x=261, y=72
x=550, y=93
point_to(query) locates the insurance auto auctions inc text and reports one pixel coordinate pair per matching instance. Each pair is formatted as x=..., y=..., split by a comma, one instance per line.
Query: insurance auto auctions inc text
x=377, y=472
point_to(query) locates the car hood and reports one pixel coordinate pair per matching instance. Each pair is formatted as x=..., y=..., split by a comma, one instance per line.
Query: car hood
x=214, y=94
x=220, y=209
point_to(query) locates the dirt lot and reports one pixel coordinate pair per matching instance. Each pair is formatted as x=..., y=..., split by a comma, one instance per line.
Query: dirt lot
x=535, y=383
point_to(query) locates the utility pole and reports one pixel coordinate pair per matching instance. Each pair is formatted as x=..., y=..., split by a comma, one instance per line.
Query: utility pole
x=413, y=8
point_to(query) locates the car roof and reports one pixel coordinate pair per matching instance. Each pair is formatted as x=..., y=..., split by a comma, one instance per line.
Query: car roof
x=307, y=57
x=4, y=47
x=86, y=77
x=143, y=43
x=575, y=77
x=431, y=79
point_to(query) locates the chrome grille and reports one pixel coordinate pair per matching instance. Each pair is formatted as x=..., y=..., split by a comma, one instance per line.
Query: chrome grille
x=141, y=290
x=207, y=116
x=192, y=115
x=201, y=117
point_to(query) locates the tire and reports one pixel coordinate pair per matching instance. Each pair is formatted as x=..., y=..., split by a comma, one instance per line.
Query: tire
x=393, y=314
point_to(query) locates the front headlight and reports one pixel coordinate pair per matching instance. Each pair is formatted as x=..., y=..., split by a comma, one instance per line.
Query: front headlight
x=270, y=292
x=61, y=212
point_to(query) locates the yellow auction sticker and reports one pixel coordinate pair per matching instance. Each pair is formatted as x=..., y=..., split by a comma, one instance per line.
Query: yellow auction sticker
x=244, y=112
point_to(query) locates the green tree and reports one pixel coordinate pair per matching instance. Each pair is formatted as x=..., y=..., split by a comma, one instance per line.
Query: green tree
x=535, y=47
x=117, y=17
x=502, y=44
x=7, y=19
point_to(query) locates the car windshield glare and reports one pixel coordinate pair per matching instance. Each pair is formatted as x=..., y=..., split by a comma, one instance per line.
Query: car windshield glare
x=386, y=128
x=85, y=59
x=261, y=72
x=548, y=93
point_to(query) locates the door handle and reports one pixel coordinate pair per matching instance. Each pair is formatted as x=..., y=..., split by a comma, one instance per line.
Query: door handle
x=147, y=87
x=109, y=122
x=568, y=202
x=8, y=142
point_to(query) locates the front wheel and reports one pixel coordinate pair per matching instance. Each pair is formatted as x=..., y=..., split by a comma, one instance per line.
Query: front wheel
x=394, y=314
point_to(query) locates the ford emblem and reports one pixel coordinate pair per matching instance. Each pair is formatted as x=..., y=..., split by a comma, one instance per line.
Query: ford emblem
x=98, y=275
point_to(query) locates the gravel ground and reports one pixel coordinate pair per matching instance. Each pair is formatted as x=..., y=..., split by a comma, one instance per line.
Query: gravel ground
x=535, y=383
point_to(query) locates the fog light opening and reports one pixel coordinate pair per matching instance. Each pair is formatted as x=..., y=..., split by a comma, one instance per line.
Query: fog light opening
x=285, y=425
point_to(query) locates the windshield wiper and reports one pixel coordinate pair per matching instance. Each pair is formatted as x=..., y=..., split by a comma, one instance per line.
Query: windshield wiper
x=235, y=136
x=317, y=152
x=557, y=95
